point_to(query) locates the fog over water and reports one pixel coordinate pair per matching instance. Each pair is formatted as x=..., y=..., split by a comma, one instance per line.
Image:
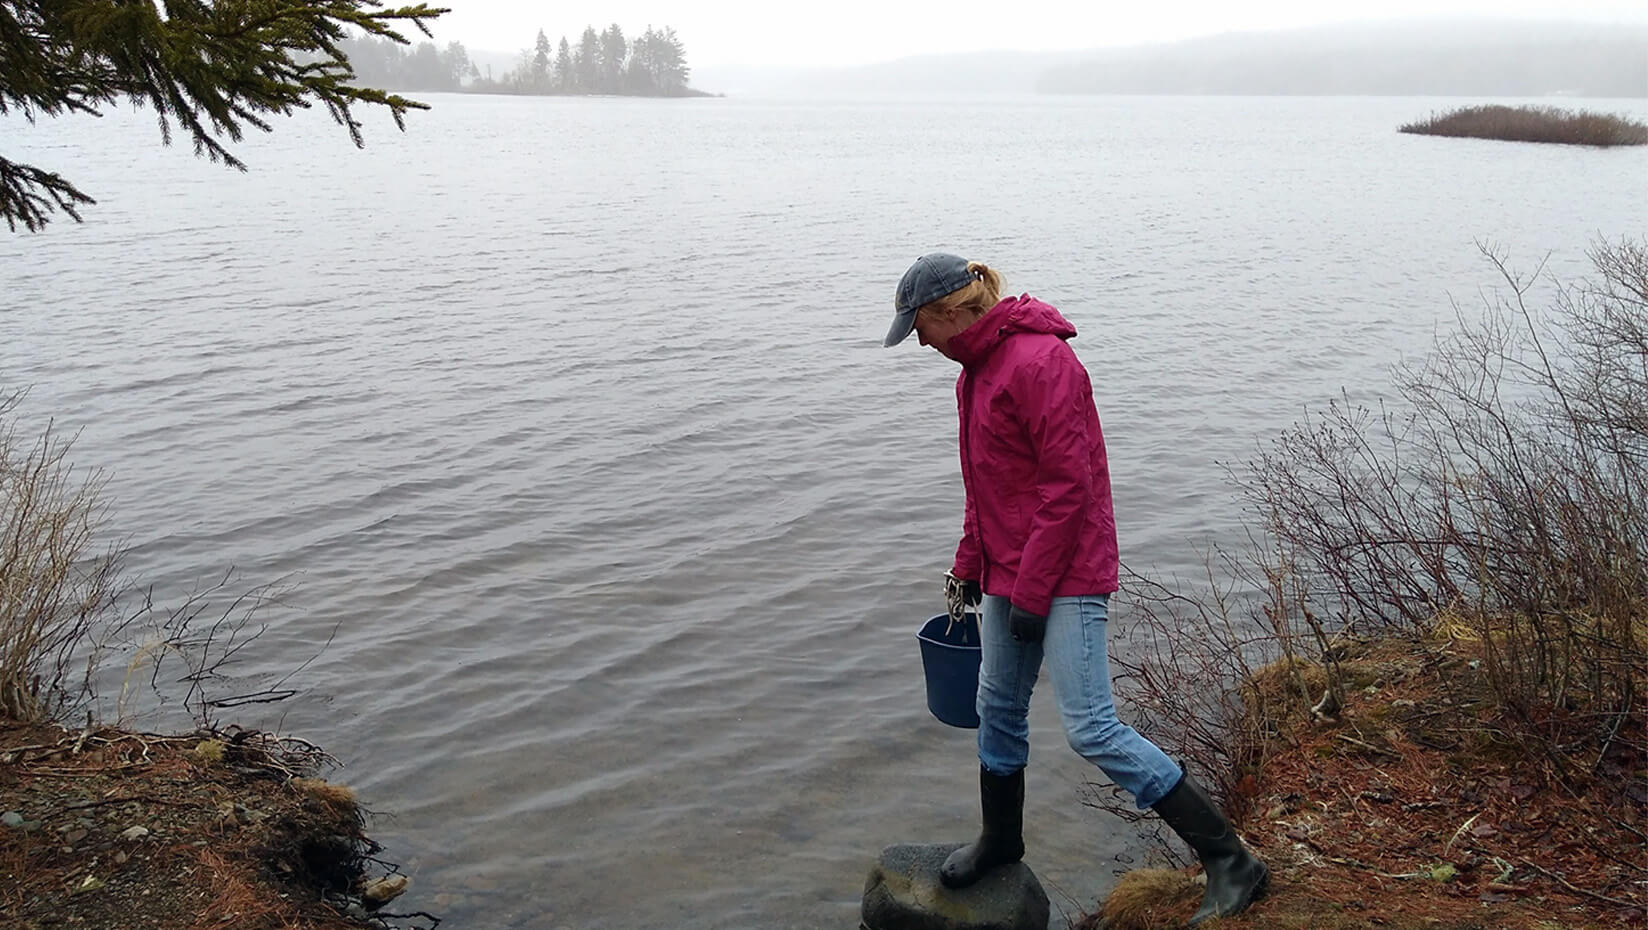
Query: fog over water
x=570, y=419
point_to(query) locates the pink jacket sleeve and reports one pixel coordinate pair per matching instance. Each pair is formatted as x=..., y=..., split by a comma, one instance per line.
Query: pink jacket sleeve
x=1053, y=394
x=968, y=565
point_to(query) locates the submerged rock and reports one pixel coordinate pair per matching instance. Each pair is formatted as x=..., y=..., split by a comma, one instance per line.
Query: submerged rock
x=903, y=893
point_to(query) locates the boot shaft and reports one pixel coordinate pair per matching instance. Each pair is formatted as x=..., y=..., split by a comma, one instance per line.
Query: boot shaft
x=1193, y=815
x=1235, y=877
x=1002, y=799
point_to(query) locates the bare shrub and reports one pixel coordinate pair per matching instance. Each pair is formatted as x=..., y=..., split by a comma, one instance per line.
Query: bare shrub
x=1509, y=492
x=56, y=586
x=64, y=612
x=1188, y=653
x=1533, y=124
x=1502, y=494
x=194, y=645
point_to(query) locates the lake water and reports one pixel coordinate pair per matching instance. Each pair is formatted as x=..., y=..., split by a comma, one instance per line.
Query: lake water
x=571, y=419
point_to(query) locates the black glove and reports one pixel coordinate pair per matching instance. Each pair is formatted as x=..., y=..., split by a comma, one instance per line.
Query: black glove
x=1025, y=626
x=959, y=594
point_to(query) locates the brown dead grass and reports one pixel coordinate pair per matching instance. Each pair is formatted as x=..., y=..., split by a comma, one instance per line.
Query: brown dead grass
x=1148, y=898
x=1409, y=813
x=1533, y=124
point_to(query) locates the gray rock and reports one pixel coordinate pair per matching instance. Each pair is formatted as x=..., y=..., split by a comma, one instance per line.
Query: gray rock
x=903, y=893
x=134, y=833
x=11, y=819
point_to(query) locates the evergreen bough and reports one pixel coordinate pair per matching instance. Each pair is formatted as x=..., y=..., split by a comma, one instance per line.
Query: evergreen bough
x=212, y=67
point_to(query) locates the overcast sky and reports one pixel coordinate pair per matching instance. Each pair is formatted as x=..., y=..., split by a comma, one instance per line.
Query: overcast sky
x=850, y=32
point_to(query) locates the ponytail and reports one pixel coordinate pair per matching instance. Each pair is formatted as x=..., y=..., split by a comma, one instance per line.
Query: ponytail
x=975, y=299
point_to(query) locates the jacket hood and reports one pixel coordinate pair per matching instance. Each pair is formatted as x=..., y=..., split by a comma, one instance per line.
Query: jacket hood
x=1021, y=314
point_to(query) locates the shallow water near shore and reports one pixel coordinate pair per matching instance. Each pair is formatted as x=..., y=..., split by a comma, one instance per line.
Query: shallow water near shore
x=569, y=423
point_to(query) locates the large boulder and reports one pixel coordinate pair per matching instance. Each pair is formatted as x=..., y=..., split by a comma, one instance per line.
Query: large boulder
x=903, y=893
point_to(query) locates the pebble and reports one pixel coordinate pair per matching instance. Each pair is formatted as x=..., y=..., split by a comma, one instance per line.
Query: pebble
x=135, y=833
x=11, y=819
x=378, y=893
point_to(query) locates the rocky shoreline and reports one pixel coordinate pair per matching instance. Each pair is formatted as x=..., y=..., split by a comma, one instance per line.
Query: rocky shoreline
x=108, y=828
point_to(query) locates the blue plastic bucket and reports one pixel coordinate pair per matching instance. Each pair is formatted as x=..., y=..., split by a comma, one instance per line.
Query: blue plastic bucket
x=950, y=655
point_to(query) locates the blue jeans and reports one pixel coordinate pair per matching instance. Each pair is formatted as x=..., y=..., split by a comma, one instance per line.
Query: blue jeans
x=1079, y=666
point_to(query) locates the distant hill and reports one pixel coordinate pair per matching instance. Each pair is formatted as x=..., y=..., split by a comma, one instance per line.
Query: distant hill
x=1502, y=59
x=1499, y=58
x=957, y=73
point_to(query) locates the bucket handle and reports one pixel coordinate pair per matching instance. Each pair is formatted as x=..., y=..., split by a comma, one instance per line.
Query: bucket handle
x=978, y=620
x=956, y=607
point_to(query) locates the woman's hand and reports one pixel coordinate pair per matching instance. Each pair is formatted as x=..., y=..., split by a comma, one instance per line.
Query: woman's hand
x=960, y=594
x=1025, y=626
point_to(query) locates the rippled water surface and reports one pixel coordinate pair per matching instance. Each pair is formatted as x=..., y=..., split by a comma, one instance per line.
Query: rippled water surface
x=570, y=419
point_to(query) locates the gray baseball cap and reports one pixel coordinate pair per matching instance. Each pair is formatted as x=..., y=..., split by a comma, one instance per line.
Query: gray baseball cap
x=932, y=276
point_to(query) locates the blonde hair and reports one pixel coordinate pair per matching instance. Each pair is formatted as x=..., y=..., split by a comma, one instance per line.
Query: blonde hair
x=975, y=299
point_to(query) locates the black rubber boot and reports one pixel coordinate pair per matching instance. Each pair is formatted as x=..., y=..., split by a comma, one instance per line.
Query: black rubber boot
x=1002, y=840
x=1235, y=877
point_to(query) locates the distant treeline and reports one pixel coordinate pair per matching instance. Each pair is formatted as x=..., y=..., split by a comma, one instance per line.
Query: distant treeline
x=389, y=65
x=652, y=65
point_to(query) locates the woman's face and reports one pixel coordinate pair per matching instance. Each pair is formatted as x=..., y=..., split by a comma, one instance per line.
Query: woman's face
x=937, y=330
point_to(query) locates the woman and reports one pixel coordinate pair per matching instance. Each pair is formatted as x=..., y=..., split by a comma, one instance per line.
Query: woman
x=1038, y=548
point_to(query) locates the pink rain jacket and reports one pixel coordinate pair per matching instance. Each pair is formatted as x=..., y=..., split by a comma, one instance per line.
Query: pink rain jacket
x=1038, y=523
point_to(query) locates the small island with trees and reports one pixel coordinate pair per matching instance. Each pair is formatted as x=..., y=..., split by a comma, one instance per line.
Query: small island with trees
x=653, y=64
x=1533, y=124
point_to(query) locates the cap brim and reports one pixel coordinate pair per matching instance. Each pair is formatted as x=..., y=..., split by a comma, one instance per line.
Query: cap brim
x=902, y=324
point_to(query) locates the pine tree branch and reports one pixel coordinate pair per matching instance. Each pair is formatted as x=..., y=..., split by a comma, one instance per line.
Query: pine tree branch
x=213, y=69
x=28, y=195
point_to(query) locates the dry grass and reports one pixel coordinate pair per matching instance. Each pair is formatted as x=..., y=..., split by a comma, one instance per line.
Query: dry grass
x=55, y=586
x=1150, y=899
x=237, y=901
x=1533, y=124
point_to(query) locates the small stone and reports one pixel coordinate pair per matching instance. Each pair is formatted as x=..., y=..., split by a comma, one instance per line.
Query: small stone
x=74, y=836
x=120, y=858
x=134, y=833
x=378, y=893
x=11, y=819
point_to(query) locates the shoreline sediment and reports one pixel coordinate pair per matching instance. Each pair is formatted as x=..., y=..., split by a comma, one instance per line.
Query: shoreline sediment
x=103, y=827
